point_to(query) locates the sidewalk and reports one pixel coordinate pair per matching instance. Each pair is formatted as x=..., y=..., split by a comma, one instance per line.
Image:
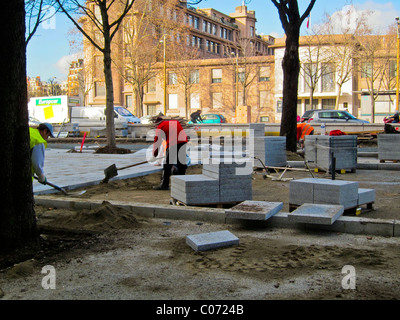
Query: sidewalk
x=71, y=170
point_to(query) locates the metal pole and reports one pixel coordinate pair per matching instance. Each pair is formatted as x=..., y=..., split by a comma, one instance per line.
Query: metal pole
x=165, y=78
x=398, y=63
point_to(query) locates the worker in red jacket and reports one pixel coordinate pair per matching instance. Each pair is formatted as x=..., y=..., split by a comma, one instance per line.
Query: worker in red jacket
x=176, y=139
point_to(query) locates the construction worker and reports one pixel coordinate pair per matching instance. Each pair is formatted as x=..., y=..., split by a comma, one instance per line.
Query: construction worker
x=172, y=132
x=303, y=129
x=38, y=144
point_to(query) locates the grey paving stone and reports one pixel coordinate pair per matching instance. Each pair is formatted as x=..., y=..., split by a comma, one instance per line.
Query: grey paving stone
x=254, y=210
x=211, y=240
x=316, y=213
x=366, y=196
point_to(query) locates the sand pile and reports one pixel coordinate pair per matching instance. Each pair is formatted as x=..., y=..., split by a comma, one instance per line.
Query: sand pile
x=103, y=218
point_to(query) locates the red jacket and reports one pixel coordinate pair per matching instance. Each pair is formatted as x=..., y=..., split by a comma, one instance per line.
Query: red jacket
x=172, y=132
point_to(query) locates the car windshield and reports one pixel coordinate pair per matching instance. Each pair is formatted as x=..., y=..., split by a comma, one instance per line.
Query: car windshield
x=123, y=112
x=349, y=115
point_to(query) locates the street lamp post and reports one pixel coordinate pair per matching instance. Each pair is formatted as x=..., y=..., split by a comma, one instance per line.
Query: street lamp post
x=398, y=60
x=165, y=76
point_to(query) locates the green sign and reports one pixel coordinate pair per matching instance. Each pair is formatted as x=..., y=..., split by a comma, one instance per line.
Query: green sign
x=48, y=101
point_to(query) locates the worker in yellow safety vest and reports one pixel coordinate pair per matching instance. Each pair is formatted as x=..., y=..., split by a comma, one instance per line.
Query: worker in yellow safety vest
x=38, y=143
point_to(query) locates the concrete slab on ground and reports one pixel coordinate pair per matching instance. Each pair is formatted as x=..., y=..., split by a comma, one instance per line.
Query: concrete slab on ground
x=254, y=210
x=316, y=213
x=211, y=240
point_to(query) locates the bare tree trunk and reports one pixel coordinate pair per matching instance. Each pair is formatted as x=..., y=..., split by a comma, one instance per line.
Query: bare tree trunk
x=291, y=69
x=110, y=125
x=17, y=215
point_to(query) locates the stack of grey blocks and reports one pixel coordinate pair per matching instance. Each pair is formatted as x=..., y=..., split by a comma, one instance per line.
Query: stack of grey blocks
x=195, y=189
x=258, y=129
x=271, y=150
x=325, y=191
x=218, y=183
x=320, y=149
x=387, y=146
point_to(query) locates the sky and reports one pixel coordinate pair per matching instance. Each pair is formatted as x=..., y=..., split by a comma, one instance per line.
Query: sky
x=49, y=52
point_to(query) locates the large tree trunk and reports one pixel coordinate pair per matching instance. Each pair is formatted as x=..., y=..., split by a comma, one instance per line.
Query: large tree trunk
x=17, y=215
x=291, y=69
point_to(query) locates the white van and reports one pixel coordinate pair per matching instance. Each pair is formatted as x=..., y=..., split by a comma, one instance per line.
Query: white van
x=96, y=116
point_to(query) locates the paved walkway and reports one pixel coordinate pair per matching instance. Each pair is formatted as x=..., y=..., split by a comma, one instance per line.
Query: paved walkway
x=71, y=170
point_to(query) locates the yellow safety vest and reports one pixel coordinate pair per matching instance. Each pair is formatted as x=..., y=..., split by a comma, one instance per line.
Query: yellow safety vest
x=35, y=139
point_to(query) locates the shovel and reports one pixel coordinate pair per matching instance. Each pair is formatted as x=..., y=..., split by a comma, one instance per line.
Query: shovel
x=112, y=171
x=62, y=189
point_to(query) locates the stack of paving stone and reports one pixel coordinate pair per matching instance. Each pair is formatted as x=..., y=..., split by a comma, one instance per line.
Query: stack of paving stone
x=235, y=182
x=387, y=147
x=325, y=191
x=258, y=129
x=271, y=151
x=320, y=149
x=218, y=183
x=195, y=189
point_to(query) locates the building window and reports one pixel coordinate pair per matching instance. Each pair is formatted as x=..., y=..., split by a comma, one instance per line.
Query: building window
x=99, y=89
x=196, y=23
x=328, y=103
x=366, y=70
x=265, y=74
x=307, y=104
x=217, y=100
x=204, y=26
x=216, y=76
x=279, y=106
x=172, y=78
x=151, y=84
x=173, y=101
x=251, y=31
x=241, y=75
x=328, y=77
x=194, y=76
x=195, y=101
x=392, y=69
x=128, y=101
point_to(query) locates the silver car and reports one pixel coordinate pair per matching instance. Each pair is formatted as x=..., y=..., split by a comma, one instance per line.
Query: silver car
x=329, y=116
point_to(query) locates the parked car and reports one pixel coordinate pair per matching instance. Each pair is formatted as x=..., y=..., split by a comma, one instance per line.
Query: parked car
x=33, y=122
x=213, y=118
x=330, y=116
x=306, y=115
x=146, y=119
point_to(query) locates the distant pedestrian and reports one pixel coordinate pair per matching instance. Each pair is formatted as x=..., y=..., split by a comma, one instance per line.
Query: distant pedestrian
x=195, y=117
x=38, y=144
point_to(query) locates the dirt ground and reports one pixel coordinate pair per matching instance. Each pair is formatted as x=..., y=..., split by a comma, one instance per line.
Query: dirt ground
x=110, y=253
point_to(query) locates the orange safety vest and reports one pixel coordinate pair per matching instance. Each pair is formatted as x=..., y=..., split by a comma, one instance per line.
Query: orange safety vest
x=303, y=129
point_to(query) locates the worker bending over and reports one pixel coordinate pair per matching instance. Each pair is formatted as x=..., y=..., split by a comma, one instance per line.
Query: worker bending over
x=38, y=144
x=172, y=132
x=303, y=129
